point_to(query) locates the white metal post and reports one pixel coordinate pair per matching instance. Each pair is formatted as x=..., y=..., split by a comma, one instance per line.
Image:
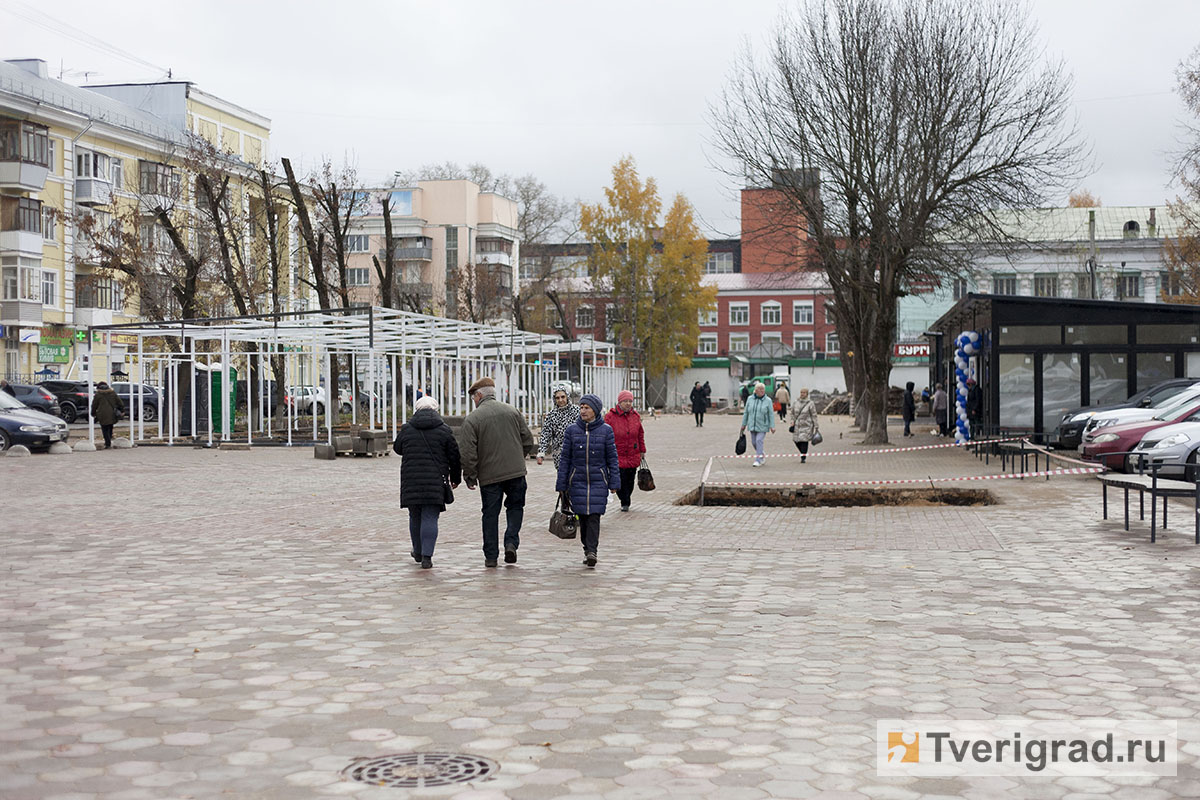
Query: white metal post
x=91, y=392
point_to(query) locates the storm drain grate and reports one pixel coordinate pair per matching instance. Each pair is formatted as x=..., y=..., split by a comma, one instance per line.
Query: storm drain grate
x=421, y=770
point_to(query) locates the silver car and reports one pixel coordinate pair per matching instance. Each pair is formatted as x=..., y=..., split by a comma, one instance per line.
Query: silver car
x=1173, y=447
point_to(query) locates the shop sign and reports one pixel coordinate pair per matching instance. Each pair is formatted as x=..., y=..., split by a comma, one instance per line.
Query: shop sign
x=911, y=350
x=53, y=354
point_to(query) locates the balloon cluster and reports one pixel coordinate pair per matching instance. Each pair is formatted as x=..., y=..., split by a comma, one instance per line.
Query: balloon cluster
x=967, y=345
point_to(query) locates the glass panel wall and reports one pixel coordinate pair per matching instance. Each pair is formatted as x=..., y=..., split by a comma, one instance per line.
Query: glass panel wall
x=1154, y=368
x=1062, y=378
x=1108, y=380
x=1167, y=334
x=1030, y=334
x=1016, y=390
x=1097, y=334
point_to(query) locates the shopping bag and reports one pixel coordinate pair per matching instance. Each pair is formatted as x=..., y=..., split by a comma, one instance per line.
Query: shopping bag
x=645, y=481
x=563, y=523
x=740, y=447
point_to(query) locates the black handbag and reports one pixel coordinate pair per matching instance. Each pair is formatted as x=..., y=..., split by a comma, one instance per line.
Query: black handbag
x=447, y=492
x=645, y=480
x=740, y=447
x=563, y=523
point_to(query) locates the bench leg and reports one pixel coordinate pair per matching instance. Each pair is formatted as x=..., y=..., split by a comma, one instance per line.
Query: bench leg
x=1126, y=508
x=1165, y=499
x=1141, y=505
x=1197, y=514
x=1153, y=516
x=1104, y=492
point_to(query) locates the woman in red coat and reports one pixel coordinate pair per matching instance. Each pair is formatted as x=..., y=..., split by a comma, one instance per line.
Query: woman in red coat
x=631, y=443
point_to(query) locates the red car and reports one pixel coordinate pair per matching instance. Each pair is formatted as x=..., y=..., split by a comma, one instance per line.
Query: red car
x=1123, y=438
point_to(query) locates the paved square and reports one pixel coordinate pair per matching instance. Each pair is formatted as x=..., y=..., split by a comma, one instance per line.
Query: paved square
x=183, y=623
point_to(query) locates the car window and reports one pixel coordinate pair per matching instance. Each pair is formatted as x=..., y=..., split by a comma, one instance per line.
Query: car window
x=1177, y=404
x=1165, y=393
x=8, y=402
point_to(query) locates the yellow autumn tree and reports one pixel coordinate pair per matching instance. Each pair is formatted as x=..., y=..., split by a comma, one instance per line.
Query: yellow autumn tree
x=654, y=270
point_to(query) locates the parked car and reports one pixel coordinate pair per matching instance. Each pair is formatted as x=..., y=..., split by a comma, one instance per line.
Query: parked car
x=36, y=397
x=1069, y=433
x=20, y=424
x=302, y=398
x=1172, y=447
x=1121, y=439
x=129, y=396
x=72, y=397
x=1120, y=416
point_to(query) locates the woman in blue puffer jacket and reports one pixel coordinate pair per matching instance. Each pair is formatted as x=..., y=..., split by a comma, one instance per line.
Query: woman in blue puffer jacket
x=588, y=470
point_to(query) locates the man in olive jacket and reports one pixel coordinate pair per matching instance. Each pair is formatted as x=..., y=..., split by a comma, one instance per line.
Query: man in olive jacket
x=494, y=441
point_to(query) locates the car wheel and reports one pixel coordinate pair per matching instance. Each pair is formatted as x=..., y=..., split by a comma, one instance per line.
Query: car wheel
x=5, y=441
x=320, y=409
x=68, y=413
x=1191, y=472
x=345, y=408
x=149, y=413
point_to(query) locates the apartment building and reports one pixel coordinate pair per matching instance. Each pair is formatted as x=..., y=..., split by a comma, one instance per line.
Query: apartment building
x=456, y=250
x=74, y=163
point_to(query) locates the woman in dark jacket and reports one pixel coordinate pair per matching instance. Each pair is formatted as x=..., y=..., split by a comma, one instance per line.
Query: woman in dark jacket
x=699, y=404
x=588, y=471
x=908, y=407
x=107, y=409
x=429, y=460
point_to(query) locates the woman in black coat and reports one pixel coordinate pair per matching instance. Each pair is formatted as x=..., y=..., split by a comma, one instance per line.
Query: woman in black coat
x=430, y=462
x=908, y=408
x=699, y=404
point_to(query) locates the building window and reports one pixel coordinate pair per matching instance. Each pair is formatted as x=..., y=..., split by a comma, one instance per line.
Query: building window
x=20, y=214
x=117, y=168
x=1169, y=284
x=528, y=269
x=739, y=342
x=772, y=336
x=803, y=342
x=1131, y=229
x=358, y=243
x=104, y=293
x=739, y=314
x=1045, y=286
x=772, y=313
x=1129, y=286
x=706, y=345
x=157, y=178
x=1083, y=285
x=49, y=288
x=585, y=318
x=49, y=224
x=960, y=288
x=552, y=320
x=610, y=321
x=831, y=343
x=89, y=164
x=718, y=264
x=22, y=279
x=830, y=313
x=24, y=141
x=358, y=276
x=802, y=312
x=709, y=318
x=1004, y=284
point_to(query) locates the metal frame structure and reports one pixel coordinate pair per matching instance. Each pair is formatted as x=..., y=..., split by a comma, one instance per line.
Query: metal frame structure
x=392, y=354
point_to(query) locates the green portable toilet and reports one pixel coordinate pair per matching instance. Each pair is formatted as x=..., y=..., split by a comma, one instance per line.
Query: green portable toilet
x=215, y=394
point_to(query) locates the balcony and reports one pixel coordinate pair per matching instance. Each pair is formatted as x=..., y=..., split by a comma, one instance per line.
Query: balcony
x=409, y=254
x=21, y=313
x=26, y=243
x=85, y=317
x=93, y=192
x=503, y=259
x=422, y=290
x=22, y=176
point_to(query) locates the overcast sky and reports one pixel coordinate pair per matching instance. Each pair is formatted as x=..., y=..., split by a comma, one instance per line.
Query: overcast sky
x=560, y=89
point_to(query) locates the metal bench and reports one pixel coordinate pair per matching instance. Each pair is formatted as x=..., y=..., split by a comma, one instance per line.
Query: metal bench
x=1157, y=487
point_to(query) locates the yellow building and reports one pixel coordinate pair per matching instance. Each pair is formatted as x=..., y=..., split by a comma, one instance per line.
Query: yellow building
x=74, y=161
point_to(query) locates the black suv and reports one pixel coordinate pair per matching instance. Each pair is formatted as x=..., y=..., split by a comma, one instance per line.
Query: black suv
x=72, y=397
x=1070, y=431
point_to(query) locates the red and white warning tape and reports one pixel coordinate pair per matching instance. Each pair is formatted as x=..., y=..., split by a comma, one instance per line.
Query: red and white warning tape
x=1039, y=474
x=880, y=451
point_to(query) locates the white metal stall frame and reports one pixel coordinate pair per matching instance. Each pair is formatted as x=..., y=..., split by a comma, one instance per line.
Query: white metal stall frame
x=392, y=355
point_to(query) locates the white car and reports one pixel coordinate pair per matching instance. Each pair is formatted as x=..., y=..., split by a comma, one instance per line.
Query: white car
x=1119, y=416
x=1174, y=448
x=302, y=398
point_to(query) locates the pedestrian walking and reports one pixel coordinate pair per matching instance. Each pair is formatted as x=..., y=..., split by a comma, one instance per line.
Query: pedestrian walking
x=588, y=470
x=974, y=407
x=631, y=443
x=804, y=422
x=555, y=423
x=707, y=395
x=699, y=404
x=940, y=406
x=493, y=442
x=107, y=409
x=759, y=418
x=783, y=399
x=908, y=407
x=430, y=464
x=746, y=393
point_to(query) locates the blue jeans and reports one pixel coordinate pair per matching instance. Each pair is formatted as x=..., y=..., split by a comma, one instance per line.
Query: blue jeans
x=758, y=439
x=513, y=493
x=423, y=528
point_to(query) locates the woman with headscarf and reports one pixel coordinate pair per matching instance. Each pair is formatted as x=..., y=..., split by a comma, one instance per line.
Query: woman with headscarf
x=631, y=443
x=804, y=422
x=555, y=423
x=429, y=462
x=587, y=471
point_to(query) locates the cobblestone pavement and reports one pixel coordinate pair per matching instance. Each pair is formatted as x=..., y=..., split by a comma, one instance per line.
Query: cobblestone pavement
x=182, y=623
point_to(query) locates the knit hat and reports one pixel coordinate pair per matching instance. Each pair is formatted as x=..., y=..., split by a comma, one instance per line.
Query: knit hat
x=479, y=384
x=594, y=402
x=426, y=402
x=624, y=395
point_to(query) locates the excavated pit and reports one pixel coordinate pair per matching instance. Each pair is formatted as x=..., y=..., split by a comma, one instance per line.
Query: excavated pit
x=834, y=497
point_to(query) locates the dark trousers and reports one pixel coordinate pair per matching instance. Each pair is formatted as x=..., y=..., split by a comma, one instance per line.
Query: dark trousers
x=628, y=479
x=943, y=425
x=699, y=415
x=589, y=532
x=783, y=411
x=423, y=528
x=803, y=448
x=107, y=431
x=907, y=423
x=513, y=493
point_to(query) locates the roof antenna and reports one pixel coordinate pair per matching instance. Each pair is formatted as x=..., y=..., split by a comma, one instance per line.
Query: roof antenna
x=168, y=73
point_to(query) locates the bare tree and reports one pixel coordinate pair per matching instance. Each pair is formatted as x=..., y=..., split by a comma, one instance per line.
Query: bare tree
x=898, y=131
